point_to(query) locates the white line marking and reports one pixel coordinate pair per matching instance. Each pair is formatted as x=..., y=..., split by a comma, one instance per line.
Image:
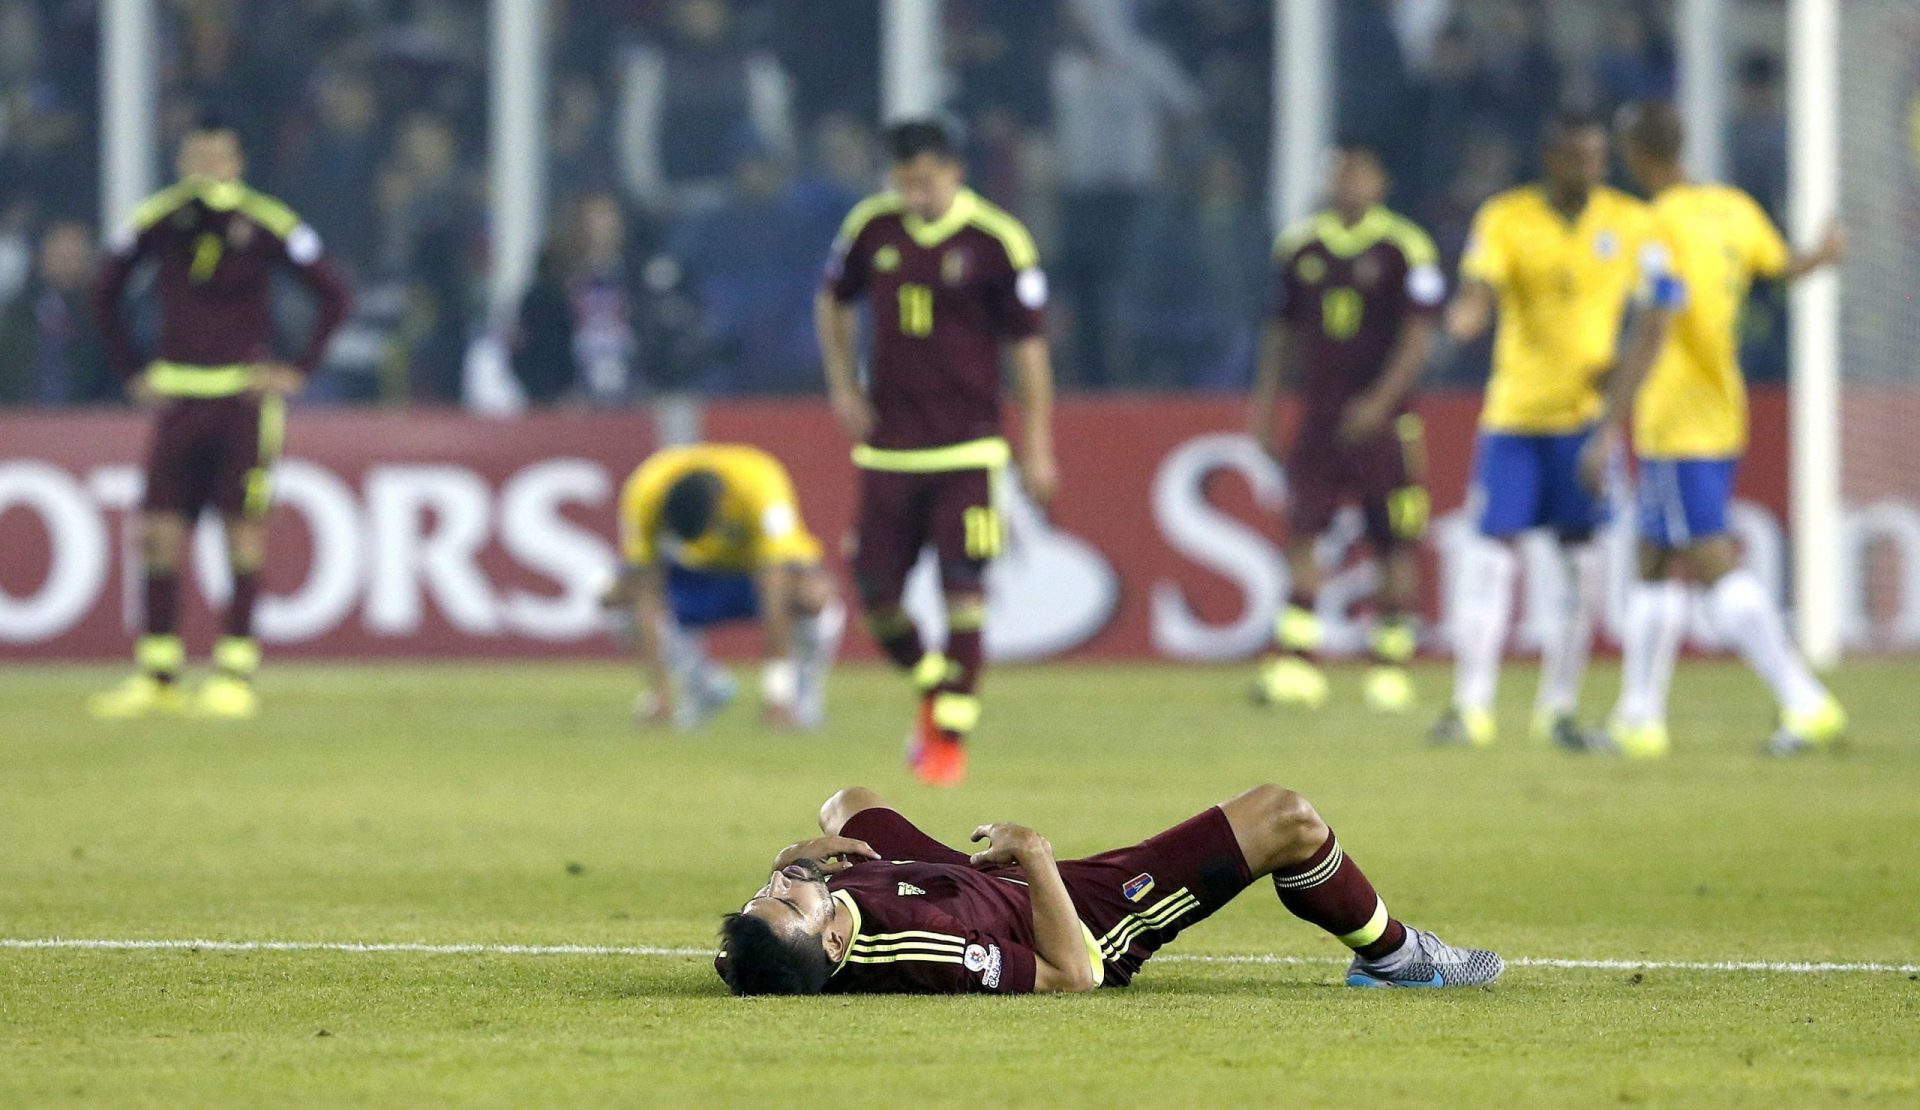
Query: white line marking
x=1791, y=967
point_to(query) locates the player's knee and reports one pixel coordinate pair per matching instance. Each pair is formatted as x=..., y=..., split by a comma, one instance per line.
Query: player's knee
x=840, y=808
x=879, y=598
x=1295, y=824
x=160, y=540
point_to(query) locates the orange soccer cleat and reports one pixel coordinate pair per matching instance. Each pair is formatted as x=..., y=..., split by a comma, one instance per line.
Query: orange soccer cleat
x=942, y=762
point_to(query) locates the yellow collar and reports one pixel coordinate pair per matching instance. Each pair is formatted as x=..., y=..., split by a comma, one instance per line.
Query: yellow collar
x=853, y=908
x=965, y=203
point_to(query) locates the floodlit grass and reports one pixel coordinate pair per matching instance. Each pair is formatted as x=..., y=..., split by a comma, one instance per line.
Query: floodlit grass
x=513, y=804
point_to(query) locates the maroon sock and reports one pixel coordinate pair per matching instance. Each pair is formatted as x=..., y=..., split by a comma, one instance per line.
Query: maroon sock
x=1330, y=890
x=246, y=590
x=965, y=656
x=163, y=603
x=901, y=641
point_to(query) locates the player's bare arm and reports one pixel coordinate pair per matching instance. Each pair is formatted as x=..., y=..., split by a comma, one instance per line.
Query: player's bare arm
x=779, y=587
x=643, y=587
x=1033, y=378
x=1470, y=313
x=1269, y=376
x=1831, y=249
x=1646, y=336
x=838, y=326
x=1369, y=413
x=1062, y=963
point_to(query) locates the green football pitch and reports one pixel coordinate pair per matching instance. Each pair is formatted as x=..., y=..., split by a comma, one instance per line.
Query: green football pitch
x=1650, y=912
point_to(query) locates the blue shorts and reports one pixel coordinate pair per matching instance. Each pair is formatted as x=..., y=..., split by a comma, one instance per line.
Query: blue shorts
x=700, y=598
x=1529, y=481
x=1684, y=501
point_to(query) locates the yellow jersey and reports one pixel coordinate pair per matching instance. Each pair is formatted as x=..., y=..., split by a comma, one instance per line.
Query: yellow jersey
x=1708, y=243
x=1563, y=287
x=757, y=523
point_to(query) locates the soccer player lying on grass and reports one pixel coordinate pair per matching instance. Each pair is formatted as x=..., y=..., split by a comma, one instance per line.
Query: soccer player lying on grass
x=877, y=906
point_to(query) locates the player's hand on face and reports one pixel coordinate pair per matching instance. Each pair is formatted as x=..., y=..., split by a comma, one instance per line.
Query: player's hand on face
x=1006, y=843
x=834, y=854
x=855, y=414
x=1040, y=477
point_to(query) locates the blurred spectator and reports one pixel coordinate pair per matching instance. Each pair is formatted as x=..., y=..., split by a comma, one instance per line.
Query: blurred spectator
x=842, y=168
x=1635, y=62
x=1757, y=138
x=427, y=218
x=606, y=337
x=678, y=94
x=1454, y=97
x=329, y=177
x=46, y=142
x=543, y=334
x=1194, y=280
x=752, y=266
x=1522, y=74
x=1116, y=95
x=580, y=142
x=832, y=50
x=50, y=351
x=1373, y=100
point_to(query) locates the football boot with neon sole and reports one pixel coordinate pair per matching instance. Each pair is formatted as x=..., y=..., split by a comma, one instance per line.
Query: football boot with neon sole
x=1290, y=680
x=1457, y=727
x=227, y=698
x=1642, y=741
x=1389, y=689
x=942, y=761
x=1808, y=732
x=1432, y=963
x=137, y=695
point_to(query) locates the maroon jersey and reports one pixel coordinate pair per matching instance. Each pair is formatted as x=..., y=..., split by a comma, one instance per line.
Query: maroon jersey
x=934, y=928
x=944, y=295
x=214, y=245
x=1347, y=292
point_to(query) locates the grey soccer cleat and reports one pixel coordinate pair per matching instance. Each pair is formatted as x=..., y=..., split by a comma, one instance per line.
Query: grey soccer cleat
x=1432, y=963
x=1564, y=731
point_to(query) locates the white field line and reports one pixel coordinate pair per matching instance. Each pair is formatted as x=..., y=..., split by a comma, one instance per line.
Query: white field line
x=1791, y=967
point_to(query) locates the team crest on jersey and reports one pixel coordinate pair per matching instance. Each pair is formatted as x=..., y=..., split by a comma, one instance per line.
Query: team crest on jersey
x=907, y=890
x=1137, y=887
x=953, y=267
x=1606, y=245
x=984, y=961
x=1310, y=269
x=887, y=258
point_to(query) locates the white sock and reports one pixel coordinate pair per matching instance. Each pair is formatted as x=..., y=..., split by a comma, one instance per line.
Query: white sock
x=1482, y=607
x=1748, y=619
x=1656, y=616
x=1569, y=638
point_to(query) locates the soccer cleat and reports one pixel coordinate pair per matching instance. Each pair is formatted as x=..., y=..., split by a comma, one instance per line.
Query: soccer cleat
x=1389, y=689
x=1563, y=731
x=1290, y=680
x=708, y=690
x=224, y=697
x=942, y=761
x=1806, y=732
x=1642, y=741
x=1457, y=727
x=1431, y=962
x=137, y=695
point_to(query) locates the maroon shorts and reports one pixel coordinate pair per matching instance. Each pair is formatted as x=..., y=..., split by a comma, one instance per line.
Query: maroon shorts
x=901, y=513
x=213, y=452
x=1383, y=476
x=1133, y=900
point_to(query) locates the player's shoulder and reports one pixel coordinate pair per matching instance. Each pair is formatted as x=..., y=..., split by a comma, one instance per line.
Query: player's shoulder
x=879, y=206
x=1296, y=237
x=1618, y=204
x=1006, y=228
x=165, y=203
x=1519, y=202
x=1409, y=238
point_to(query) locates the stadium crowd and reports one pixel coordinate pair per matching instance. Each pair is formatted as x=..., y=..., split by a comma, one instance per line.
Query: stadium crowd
x=703, y=153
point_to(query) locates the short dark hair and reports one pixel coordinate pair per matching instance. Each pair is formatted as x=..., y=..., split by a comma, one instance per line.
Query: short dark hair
x=756, y=960
x=1568, y=122
x=1360, y=144
x=1653, y=127
x=909, y=139
x=210, y=120
x=691, y=501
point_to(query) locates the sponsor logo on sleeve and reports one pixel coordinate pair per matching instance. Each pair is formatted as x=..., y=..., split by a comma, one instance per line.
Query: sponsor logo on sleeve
x=1137, y=887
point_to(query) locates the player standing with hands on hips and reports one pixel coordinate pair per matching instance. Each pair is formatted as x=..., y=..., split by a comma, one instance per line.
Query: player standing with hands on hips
x=220, y=398
x=1680, y=386
x=950, y=278
x=1356, y=290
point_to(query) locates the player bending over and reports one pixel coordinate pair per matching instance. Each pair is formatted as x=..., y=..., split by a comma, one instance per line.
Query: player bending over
x=949, y=278
x=219, y=394
x=1355, y=292
x=1558, y=259
x=711, y=534
x=1681, y=386
x=878, y=906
